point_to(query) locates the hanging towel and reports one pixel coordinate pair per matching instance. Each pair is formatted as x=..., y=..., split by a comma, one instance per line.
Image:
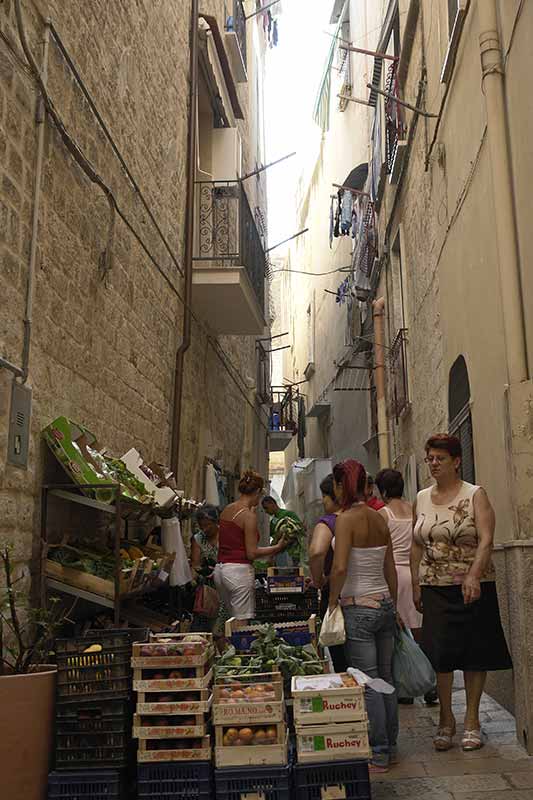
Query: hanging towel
x=211, y=486
x=171, y=539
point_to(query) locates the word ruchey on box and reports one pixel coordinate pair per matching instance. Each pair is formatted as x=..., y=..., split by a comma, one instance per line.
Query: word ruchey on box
x=327, y=698
x=348, y=740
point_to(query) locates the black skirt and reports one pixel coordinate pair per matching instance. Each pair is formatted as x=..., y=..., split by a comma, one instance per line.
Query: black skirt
x=463, y=637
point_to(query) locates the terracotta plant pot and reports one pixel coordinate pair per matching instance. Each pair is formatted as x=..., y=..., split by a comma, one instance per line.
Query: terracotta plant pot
x=27, y=704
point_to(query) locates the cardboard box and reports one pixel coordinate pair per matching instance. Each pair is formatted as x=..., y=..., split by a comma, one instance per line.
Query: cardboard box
x=321, y=699
x=323, y=743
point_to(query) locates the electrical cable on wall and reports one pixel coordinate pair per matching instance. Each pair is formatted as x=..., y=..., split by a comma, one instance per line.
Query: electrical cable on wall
x=85, y=165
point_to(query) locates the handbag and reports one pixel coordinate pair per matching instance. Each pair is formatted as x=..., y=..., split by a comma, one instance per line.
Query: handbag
x=333, y=631
x=412, y=672
x=206, y=602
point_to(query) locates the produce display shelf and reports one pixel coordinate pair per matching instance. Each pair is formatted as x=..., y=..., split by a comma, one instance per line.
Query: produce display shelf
x=97, y=599
x=71, y=497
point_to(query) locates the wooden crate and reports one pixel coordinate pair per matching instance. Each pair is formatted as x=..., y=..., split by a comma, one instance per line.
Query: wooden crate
x=323, y=743
x=185, y=708
x=175, y=731
x=201, y=681
x=87, y=582
x=144, y=754
x=275, y=753
x=248, y=710
x=177, y=660
x=315, y=704
x=183, y=639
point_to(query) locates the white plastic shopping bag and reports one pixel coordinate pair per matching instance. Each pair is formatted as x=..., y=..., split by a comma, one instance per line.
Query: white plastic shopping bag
x=333, y=631
x=180, y=573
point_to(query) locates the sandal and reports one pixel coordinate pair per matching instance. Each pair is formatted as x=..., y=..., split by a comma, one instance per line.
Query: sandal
x=443, y=739
x=376, y=769
x=472, y=740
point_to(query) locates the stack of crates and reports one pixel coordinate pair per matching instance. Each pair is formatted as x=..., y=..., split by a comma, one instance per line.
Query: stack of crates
x=250, y=732
x=93, y=715
x=331, y=736
x=173, y=674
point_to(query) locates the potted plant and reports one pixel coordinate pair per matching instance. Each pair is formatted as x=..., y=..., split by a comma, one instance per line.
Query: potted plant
x=27, y=686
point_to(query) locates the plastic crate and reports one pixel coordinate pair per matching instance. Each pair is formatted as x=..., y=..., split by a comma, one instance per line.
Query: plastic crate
x=191, y=780
x=311, y=779
x=89, y=785
x=285, y=607
x=269, y=783
x=99, y=675
x=93, y=734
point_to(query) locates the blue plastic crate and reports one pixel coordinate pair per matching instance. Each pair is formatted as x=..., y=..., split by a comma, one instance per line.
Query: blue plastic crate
x=311, y=779
x=190, y=780
x=272, y=783
x=86, y=785
x=242, y=640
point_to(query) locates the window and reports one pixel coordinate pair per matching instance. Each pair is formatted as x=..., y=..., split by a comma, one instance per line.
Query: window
x=460, y=416
x=456, y=17
x=453, y=5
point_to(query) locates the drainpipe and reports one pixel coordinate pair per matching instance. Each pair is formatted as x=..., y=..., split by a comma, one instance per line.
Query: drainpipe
x=502, y=190
x=40, y=118
x=189, y=235
x=379, y=372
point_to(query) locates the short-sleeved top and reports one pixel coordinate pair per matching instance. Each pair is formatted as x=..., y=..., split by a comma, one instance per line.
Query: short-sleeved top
x=449, y=537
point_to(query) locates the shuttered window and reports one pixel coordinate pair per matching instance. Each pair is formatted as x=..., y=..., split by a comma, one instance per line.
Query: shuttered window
x=460, y=416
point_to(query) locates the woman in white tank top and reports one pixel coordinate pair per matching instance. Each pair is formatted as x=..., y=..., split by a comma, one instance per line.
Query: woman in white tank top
x=363, y=581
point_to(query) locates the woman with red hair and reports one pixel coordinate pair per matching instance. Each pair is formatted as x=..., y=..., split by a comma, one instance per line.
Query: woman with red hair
x=454, y=587
x=363, y=581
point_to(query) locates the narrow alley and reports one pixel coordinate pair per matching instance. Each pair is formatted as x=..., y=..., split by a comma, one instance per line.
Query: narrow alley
x=266, y=400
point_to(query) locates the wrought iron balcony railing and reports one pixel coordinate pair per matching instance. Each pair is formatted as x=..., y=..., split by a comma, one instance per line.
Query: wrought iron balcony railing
x=366, y=246
x=227, y=235
x=398, y=374
x=284, y=409
x=395, y=129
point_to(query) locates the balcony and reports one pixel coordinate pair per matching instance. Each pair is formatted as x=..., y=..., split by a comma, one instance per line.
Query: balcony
x=283, y=417
x=229, y=261
x=235, y=36
x=366, y=249
x=395, y=128
x=398, y=374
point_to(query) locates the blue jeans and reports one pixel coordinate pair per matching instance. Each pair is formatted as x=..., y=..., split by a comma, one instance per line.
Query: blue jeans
x=369, y=647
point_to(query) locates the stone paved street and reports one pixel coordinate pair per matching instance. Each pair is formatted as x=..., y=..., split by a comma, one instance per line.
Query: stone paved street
x=501, y=770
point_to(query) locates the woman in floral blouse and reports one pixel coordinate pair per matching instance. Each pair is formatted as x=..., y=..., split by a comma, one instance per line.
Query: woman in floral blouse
x=454, y=587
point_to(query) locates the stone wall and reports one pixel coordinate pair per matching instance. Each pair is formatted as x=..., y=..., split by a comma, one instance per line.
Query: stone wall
x=103, y=346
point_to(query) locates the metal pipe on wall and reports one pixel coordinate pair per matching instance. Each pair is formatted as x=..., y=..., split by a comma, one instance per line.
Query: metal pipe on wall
x=189, y=241
x=378, y=314
x=41, y=122
x=40, y=118
x=502, y=190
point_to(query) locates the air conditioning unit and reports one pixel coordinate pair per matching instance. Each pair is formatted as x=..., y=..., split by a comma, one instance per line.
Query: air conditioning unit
x=226, y=154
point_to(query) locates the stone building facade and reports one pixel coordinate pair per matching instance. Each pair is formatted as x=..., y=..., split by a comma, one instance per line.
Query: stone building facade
x=449, y=188
x=105, y=333
x=446, y=244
